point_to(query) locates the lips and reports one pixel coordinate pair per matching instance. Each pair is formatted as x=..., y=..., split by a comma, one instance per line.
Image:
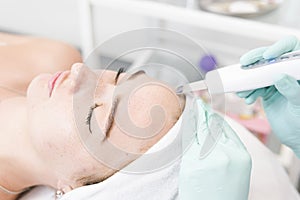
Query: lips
x=52, y=81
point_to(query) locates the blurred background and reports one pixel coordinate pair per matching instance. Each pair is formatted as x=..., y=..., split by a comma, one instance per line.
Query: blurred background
x=225, y=28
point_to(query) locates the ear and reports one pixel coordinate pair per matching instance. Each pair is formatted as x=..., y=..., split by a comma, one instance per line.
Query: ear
x=64, y=187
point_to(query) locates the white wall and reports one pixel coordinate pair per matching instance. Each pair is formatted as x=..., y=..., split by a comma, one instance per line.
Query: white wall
x=59, y=19
x=56, y=19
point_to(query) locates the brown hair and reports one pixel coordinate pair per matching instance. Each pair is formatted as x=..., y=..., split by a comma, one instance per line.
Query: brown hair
x=93, y=179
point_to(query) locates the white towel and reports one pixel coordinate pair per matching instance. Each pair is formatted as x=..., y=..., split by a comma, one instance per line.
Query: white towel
x=162, y=184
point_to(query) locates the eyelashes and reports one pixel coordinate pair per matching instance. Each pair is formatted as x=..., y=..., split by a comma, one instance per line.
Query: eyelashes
x=88, y=118
x=92, y=108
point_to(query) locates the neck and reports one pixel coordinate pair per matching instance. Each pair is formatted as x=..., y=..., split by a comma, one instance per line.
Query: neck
x=20, y=168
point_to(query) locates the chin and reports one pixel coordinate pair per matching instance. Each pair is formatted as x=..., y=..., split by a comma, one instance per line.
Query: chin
x=38, y=87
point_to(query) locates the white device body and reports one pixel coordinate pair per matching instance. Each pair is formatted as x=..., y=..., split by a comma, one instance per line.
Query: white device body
x=236, y=78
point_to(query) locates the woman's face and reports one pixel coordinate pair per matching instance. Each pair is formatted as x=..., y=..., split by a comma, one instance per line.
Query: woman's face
x=82, y=103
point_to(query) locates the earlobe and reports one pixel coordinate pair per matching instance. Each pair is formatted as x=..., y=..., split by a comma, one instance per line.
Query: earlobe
x=58, y=194
x=62, y=188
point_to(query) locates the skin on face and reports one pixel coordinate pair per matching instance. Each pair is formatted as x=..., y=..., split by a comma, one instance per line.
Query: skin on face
x=54, y=131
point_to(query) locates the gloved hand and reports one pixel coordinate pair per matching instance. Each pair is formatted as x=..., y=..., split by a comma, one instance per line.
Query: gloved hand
x=224, y=174
x=281, y=102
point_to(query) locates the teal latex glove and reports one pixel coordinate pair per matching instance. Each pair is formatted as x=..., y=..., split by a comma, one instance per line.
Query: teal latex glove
x=224, y=174
x=281, y=102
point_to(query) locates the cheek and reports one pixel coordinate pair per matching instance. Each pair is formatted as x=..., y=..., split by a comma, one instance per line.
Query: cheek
x=151, y=103
x=153, y=109
x=52, y=133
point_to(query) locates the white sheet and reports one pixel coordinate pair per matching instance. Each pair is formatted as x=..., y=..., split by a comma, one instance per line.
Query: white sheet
x=269, y=181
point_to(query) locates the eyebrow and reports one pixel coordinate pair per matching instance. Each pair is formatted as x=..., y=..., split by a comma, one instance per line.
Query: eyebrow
x=111, y=117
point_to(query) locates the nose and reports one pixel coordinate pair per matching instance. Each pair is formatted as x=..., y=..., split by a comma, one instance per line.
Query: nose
x=80, y=71
x=81, y=76
x=76, y=68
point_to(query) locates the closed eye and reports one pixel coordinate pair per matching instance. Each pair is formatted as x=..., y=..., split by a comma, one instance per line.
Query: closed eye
x=88, y=118
x=92, y=108
x=115, y=102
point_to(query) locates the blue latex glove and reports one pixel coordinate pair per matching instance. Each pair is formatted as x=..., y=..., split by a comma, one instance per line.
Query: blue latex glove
x=222, y=174
x=281, y=102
